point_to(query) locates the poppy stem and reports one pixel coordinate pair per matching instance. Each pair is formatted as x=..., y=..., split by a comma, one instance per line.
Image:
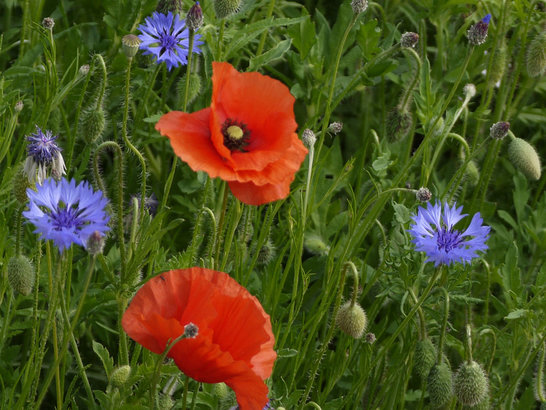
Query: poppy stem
x=218, y=234
x=444, y=324
x=185, y=393
x=188, y=70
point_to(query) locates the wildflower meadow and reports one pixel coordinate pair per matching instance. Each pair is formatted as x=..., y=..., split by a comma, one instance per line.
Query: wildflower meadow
x=272, y=204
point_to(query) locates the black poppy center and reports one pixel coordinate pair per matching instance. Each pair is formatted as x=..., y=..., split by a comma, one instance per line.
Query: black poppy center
x=236, y=135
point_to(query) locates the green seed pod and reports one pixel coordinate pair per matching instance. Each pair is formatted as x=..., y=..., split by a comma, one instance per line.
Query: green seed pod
x=93, y=123
x=425, y=357
x=21, y=274
x=398, y=124
x=120, y=375
x=536, y=55
x=352, y=320
x=470, y=384
x=472, y=173
x=224, y=8
x=498, y=65
x=193, y=90
x=130, y=45
x=525, y=158
x=20, y=184
x=440, y=385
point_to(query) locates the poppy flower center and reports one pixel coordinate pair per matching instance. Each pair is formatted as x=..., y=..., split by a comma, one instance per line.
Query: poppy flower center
x=236, y=135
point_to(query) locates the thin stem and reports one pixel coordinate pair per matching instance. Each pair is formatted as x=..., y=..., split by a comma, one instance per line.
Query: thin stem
x=188, y=70
x=422, y=327
x=18, y=231
x=185, y=393
x=220, y=227
x=264, y=34
x=444, y=325
x=406, y=98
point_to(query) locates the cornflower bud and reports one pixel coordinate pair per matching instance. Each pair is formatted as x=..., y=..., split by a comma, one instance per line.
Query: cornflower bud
x=359, y=6
x=477, y=33
x=48, y=23
x=423, y=194
x=536, y=55
x=224, y=8
x=308, y=138
x=471, y=384
x=95, y=243
x=409, y=39
x=191, y=330
x=525, y=158
x=499, y=130
x=352, y=320
x=130, y=44
x=194, y=18
x=370, y=338
x=335, y=127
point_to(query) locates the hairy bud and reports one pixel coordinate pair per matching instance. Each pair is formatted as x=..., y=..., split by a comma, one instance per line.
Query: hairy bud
x=525, y=158
x=499, y=130
x=425, y=357
x=536, y=55
x=352, y=320
x=471, y=384
x=409, y=39
x=21, y=274
x=423, y=194
x=225, y=8
x=440, y=385
x=309, y=138
x=120, y=375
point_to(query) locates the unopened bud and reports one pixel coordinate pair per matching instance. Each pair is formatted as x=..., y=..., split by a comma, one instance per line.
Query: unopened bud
x=19, y=106
x=20, y=185
x=352, y=320
x=423, y=194
x=335, y=127
x=174, y=6
x=425, y=357
x=469, y=90
x=472, y=173
x=191, y=330
x=370, y=338
x=359, y=6
x=93, y=122
x=409, y=39
x=536, y=55
x=439, y=385
x=95, y=243
x=471, y=384
x=477, y=33
x=194, y=18
x=165, y=402
x=224, y=8
x=84, y=70
x=308, y=138
x=398, y=124
x=48, y=23
x=499, y=130
x=525, y=158
x=130, y=44
x=314, y=244
x=120, y=375
x=21, y=274
x=266, y=253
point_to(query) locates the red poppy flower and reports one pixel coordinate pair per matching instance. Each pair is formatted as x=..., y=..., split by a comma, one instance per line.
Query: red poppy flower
x=246, y=137
x=234, y=343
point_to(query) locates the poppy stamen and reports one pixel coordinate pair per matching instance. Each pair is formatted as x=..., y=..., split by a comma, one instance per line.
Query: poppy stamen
x=236, y=135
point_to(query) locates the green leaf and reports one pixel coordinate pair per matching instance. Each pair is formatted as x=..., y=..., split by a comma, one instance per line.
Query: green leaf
x=104, y=356
x=286, y=353
x=271, y=55
x=516, y=314
x=401, y=213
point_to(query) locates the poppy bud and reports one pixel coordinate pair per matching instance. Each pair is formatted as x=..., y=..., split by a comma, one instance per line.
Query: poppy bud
x=20, y=185
x=93, y=124
x=193, y=90
x=352, y=320
x=309, y=138
x=130, y=44
x=221, y=390
x=174, y=6
x=439, y=385
x=18, y=106
x=398, y=124
x=164, y=402
x=470, y=384
x=536, y=55
x=524, y=157
x=370, y=338
x=314, y=244
x=120, y=375
x=359, y=6
x=469, y=90
x=423, y=194
x=472, y=173
x=194, y=18
x=477, y=33
x=266, y=253
x=335, y=127
x=48, y=23
x=224, y=8
x=425, y=357
x=21, y=274
x=409, y=39
x=499, y=130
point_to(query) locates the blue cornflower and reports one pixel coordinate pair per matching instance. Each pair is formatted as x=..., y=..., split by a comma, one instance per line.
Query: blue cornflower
x=43, y=152
x=167, y=38
x=433, y=233
x=67, y=213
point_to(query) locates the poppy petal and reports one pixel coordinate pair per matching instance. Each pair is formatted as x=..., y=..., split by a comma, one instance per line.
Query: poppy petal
x=253, y=194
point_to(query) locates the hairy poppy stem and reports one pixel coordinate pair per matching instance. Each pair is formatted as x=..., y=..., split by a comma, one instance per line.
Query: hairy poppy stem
x=444, y=325
x=188, y=70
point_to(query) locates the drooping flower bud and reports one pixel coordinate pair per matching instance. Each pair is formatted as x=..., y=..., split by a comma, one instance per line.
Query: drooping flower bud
x=352, y=320
x=335, y=127
x=477, y=33
x=308, y=137
x=409, y=39
x=93, y=123
x=425, y=357
x=499, y=130
x=359, y=6
x=21, y=274
x=174, y=6
x=536, y=55
x=266, y=253
x=194, y=18
x=225, y=8
x=471, y=384
x=20, y=184
x=472, y=173
x=423, y=194
x=439, y=385
x=48, y=23
x=130, y=45
x=165, y=402
x=398, y=124
x=120, y=375
x=314, y=244
x=524, y=157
